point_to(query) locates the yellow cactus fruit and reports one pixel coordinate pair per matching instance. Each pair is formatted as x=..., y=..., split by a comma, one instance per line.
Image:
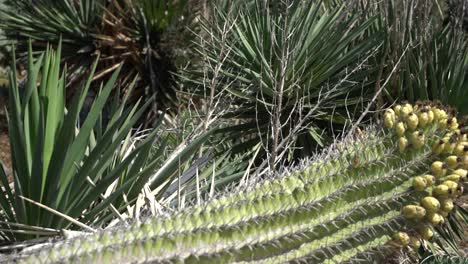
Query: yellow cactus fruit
x=430, y=114
x=438, y=169
x=431, y=204
x=434, y=218
x=405, y=111
x=410, y=106
x=425, y=232
x=401, y=238
x=415, y=242
x=417, y=139
x=449, y=147
x=452, y=161
x=437, y=113
x=444, y=213
x=400, y=129
x=389, y=120
x=423, y=118
x=397, y=109
x=413, y=212
x=462, y=173
x=412, y=121
x=452, y=124
x=438, y=147
x=441, y=191
x=430, y=180
x=452, y=177
x=442, y=114
x=443, y=123
x=459, y=191
x=452, y=186
x=461, y=149
x=446, y=205
x=419, y=183
x=402, y=144
x=465, y=162
x=464, y=138
x=390, y=112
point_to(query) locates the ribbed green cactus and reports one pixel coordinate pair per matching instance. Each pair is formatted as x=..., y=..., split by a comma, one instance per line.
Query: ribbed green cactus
x=362, y=198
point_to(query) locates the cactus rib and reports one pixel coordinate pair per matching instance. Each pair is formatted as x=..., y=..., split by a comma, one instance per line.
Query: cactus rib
x=340, y=206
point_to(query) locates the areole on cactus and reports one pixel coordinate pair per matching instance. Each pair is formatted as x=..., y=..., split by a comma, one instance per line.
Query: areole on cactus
x=364, y=197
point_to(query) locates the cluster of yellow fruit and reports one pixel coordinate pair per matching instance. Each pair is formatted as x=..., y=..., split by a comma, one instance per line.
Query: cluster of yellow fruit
x=446, y=176
x=408, y=121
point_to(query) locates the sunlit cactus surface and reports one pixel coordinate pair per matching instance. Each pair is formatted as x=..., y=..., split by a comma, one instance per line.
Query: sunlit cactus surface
x=365, y=197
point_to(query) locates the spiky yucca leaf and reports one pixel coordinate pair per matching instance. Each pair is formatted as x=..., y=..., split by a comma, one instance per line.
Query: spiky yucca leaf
x=285, y=58
x=135, y=34
x=65, y=163
x=343, y=205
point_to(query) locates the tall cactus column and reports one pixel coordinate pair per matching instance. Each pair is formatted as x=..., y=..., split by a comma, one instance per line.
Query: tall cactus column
x=365, y=196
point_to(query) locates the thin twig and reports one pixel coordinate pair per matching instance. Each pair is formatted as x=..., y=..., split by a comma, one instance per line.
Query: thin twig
x=64, y=216
x=376, y=95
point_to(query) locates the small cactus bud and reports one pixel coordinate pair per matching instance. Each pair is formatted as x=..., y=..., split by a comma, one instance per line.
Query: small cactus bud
x=397, y=109
x=419, y=183
x=423, y=118
x=444, y=214
x=430, y=114
x=413, y=212
x=415, y=242
x=405, y=111
x=430, y=180
x=402, y=144
x=438, y=147
x=417, y=139
x=452, y=186
x=462, y=172
x=430, y=203
x=434, y=218
x=412, y=121
x=449, y=147
x=441, y=191
x=461, y=149
x=400, y=129
x=401, y=238
x=452, y=161
x=452, y=124
x=443, y=123
x=388, y=122
x=438, y=169
x=452, y=177
x=425, y=232
x=446, y=205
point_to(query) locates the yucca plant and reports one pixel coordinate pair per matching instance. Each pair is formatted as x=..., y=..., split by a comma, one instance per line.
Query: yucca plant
x=285, y=63
x=63, y=166
x=140, y=36
x=425, y=53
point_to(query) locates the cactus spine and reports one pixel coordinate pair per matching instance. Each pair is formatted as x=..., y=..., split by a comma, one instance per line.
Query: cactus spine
x=365, y=196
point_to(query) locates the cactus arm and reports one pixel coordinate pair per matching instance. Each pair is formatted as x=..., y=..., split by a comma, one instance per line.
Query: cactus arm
x=342, y=205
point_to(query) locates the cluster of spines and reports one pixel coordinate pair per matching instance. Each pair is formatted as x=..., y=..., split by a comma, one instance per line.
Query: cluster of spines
x=337, y=207
x=443, y=180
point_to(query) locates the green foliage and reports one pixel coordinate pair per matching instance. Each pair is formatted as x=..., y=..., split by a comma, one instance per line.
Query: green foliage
x=285, y=61
x=140, y=35
x=425, y=52
x=67, y=164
